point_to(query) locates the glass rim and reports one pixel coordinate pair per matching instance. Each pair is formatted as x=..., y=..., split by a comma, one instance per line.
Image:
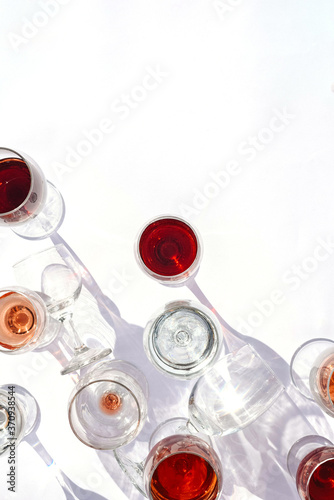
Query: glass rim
x=45, y=250
x=16, y=209
x=128, y=437
x=177, y=278
x=22, y=291
x=328, y=391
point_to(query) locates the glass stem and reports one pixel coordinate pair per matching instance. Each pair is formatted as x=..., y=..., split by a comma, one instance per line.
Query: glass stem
x=78, y=345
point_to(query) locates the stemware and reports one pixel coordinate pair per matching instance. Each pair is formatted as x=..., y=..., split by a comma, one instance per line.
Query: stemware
x=183, y=339
x=179, y=465
x=312, y=372
x=30, y=205
x=311, y=464
x=108, y=406
x=54, y=274
x=25, y=323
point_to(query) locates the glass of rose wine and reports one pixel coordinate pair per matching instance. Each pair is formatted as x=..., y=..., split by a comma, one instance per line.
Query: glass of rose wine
x=108, y=406
x=54, y=274
x=25, y=323
x=183, y=339
x=30, y=205
x=311, y=464
x=312, y=372
x=180, y=465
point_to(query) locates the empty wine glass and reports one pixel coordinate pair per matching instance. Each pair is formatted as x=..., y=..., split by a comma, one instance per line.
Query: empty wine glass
x=25, y=323
x=168, y=249
x=233, y=393
x=30, y=205
x=54, y=274
x=183, y=339
x=179, y=465
x=108, y=406
x=312, y=372
x=311, y=465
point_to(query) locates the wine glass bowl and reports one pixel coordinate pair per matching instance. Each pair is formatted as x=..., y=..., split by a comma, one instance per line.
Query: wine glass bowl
x=312, y=372
x=24, y=321
x=183, y=339
x=108, y=407
x=55, y=275
x=169, y=250
x=232, y=394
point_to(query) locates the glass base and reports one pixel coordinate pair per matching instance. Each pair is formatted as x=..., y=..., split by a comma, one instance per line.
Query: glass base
x=84, y=358
x=48, y=220
x=302, y=362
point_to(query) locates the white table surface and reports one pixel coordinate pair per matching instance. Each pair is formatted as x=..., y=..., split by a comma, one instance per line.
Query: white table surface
x=217, y=111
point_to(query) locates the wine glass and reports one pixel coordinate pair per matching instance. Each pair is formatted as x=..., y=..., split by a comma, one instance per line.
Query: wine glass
x=108, y=406
x=30, y=205
x=54, y=274
x=25, y=324
x=183, y=339
x=179, y=465
x=311, y=463
x=312, y=372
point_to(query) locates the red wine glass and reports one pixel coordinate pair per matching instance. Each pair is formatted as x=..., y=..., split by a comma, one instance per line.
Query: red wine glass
x=311, y=464
x=30, y=205
x=169, y=250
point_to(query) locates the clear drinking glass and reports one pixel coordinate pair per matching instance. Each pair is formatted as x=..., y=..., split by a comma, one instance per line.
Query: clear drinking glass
x=169, y=250
x=53, y=273
x=312, y=372
x=24, y=321
x=180, y=465
x=30, y=205
x=108, y=406
x=233, y=393
x=183, y=339
x=311, y=464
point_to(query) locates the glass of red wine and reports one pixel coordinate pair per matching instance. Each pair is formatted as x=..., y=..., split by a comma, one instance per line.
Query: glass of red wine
x=311, y=464
x=183, y=339
x=180, y=465
x=312, y=372
x=169, y=250
x=30, y=205
x=25, y=323
x=55, y=276
x=108, y=406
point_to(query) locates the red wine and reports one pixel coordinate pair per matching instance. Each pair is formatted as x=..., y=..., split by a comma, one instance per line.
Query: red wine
x=110, y=403
x=168, y=247
x=15, y=183
x=320, y=485
x=184, y=476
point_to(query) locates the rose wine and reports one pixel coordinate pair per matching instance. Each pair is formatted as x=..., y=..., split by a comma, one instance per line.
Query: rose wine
x=110, y=403
x=184, y=476
x=15, y=183
x=18, y=320
x=322, y=382
x=168, y=247
x=315, y=475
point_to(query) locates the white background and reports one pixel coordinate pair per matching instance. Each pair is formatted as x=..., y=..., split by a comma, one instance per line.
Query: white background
x=227, y=68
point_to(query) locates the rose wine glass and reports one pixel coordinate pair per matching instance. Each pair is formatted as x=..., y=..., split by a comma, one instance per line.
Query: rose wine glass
x=54, y=274
x=30, y=205
x=108, y=406
x=179, y=465
x=312, y=372
x=183, y=339
x=311, y=464
x=25, y=323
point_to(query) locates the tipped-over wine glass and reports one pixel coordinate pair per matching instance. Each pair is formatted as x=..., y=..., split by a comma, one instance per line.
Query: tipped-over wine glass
x=25, y=323
x=183, y=339
x=311, y=464
x=30, y=205
x=179, y=465
x=312, y=372
x=108, y=406
x=54, y=274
